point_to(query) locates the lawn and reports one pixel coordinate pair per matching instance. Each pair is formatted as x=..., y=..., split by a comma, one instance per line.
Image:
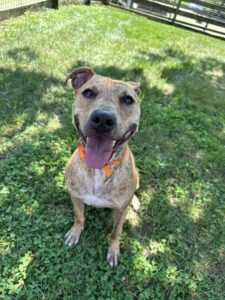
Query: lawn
x=174, y=247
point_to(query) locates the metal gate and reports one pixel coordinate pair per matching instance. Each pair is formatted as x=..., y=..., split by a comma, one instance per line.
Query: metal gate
x=199, y=15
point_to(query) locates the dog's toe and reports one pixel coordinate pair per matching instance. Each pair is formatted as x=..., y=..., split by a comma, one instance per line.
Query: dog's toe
x=113, y=256
x=112, y=260
x=72, y=236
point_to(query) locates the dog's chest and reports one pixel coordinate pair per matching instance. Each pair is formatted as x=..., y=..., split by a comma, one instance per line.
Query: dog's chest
x=94, y=191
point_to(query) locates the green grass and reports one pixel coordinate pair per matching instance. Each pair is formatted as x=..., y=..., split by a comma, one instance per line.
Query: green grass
x=174, y=248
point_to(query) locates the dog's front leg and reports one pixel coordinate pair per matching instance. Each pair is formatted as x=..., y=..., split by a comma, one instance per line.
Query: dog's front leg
x=73, y=235
x=114, y=246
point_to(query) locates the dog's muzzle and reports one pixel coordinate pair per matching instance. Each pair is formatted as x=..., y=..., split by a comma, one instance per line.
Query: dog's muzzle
x=103, y=121
x=99, y=145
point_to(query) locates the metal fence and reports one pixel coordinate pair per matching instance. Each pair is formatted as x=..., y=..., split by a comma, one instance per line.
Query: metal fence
x=207, y=16
x=12, y=4
x=9, y=8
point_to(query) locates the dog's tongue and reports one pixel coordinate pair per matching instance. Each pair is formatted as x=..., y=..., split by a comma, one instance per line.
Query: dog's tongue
x=98, y=151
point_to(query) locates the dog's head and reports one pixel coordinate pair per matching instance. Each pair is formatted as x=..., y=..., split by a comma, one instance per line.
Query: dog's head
x=105, y=113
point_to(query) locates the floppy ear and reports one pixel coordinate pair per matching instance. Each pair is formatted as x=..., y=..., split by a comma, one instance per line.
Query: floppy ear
x=79, y=77
x=135, y=86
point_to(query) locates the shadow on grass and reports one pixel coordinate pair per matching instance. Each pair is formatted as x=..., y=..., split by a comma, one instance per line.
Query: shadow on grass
x=179, y=152
x=183, y=168
x=22, y=96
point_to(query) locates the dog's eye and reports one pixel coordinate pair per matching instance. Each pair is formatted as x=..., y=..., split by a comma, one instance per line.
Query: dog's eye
x=128, y=100
x=88, y=93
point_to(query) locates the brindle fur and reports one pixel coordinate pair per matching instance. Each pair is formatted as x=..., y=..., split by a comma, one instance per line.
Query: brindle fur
x=93, y=186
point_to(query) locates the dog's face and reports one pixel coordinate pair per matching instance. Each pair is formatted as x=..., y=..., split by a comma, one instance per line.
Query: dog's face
x=105, y=113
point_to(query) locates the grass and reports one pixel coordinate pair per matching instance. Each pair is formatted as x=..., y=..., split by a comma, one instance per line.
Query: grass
x=174, y=248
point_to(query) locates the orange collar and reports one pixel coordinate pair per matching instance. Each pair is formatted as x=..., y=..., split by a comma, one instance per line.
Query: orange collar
x=106, y=168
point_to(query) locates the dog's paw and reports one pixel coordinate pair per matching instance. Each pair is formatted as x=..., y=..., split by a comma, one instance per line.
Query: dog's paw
x=135, y=203
x=113, y=255
x=73, y=235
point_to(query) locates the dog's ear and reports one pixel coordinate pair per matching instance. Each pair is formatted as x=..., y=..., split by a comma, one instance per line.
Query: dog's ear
x=79, y=77
x=135, y=86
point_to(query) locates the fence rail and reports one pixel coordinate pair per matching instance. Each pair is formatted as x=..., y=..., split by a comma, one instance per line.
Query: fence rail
x=199, y=15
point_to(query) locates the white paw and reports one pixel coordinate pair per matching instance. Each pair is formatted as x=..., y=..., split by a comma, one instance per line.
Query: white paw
x=113, y=256
x=73, y=235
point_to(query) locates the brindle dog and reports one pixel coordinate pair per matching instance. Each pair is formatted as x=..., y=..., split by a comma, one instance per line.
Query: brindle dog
x=102, y=172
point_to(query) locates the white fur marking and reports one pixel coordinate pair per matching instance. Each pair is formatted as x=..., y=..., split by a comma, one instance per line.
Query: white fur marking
x=91, y=199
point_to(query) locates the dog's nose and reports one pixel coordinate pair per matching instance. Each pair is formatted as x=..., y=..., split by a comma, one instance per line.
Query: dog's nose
x=103, y=121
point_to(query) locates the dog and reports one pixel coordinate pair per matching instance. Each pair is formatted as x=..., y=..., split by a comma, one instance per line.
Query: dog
x=102, y=171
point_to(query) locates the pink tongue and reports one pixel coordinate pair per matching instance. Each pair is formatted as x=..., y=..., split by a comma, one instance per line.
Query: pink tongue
x=98, y=151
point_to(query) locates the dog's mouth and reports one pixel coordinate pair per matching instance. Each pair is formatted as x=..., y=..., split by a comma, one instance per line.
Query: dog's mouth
x=100, y=148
